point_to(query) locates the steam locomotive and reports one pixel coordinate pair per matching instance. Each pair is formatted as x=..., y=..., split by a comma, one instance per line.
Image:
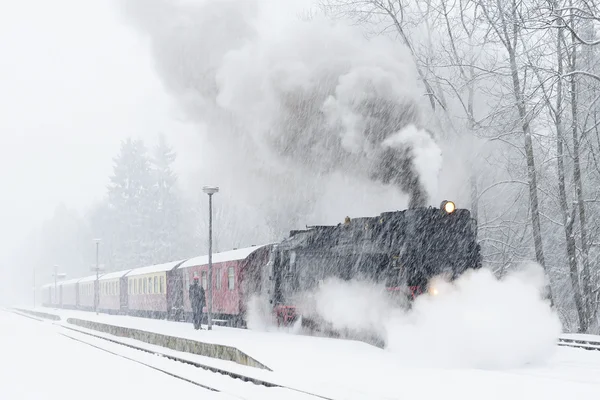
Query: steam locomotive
x=401, y=250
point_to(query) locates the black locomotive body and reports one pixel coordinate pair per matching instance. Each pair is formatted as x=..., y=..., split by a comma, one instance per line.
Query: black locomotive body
x=402, y=249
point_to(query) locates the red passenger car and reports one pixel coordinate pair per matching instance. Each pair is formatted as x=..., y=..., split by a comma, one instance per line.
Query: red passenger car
x=228, y=267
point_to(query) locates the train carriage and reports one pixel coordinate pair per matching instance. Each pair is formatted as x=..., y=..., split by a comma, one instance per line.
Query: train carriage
x=86, y=289
x=113, y=292
x=69, y=293
x=148, y=291
x=47, y=295
x=228, y=266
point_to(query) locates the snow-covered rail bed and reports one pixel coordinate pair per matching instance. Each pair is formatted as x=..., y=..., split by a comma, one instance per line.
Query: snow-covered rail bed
x=234, y=385
x=207, y=376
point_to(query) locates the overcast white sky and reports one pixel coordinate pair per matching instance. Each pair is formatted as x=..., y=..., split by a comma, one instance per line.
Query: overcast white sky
x=75, y=79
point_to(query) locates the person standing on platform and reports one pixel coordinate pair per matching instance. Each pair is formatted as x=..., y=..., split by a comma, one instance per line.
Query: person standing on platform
x=198, y=300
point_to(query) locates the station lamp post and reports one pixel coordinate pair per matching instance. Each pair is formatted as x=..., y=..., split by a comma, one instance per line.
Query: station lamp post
x=97, y=269
x=57, y=275
x=210, y=190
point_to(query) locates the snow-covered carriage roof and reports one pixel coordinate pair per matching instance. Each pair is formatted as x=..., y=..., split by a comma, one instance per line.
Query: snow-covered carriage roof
x=152, y=269
x=90, y=278
x=231, y=255
x=68, y=282
x=115, y=275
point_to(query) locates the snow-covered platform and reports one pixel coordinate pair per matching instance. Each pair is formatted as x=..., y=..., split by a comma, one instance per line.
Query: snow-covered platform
x=279, y=350
x=357, y=370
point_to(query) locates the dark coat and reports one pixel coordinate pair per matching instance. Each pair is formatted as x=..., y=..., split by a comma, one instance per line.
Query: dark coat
x=197, y=297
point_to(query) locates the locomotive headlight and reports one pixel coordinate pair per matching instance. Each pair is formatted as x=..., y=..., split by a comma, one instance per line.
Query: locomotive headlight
x=448, y=206
x=433, y=291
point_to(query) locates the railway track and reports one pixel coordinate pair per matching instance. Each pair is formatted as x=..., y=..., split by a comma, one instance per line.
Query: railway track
x=140, y=362
x=579, y=343
x=221, y=380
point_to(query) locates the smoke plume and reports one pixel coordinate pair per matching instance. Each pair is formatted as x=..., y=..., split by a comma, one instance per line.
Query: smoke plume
x=304, y=99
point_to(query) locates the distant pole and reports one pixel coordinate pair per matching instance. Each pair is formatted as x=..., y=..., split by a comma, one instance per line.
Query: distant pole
x=55, y=283
x=33, y=287
x=97, y=284
x=210, y=190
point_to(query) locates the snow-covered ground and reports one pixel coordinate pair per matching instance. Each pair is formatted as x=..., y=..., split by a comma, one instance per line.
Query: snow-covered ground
x=357, y=370
x=38, y=363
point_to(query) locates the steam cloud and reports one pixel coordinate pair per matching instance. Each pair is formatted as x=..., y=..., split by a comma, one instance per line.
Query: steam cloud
x=477, y=321
x=283, y=93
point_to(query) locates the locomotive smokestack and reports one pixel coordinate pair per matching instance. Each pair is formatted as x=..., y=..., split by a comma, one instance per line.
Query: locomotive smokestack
x=396, y=168
x=406, y=160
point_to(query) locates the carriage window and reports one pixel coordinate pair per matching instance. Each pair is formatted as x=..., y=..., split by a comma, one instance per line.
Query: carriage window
x=230, y=278
x=218, y=283
x=145, y=291
x=150, y=287
x=135, y=288
x=204, y=280
x=156, y=285
x=162, y=284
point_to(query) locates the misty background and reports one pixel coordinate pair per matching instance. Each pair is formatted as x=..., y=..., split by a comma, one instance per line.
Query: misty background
x=113, y=115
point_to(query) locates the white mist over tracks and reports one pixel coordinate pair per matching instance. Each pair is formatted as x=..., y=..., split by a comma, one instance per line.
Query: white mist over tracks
x=293, y=104
x=480, y=321
x=477, y=321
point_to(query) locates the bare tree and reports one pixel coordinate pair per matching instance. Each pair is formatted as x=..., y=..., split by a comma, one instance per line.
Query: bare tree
x=506, y=22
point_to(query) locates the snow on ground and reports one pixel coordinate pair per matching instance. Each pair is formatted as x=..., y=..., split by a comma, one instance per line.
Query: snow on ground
x=38, y=363
x=357, y=370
